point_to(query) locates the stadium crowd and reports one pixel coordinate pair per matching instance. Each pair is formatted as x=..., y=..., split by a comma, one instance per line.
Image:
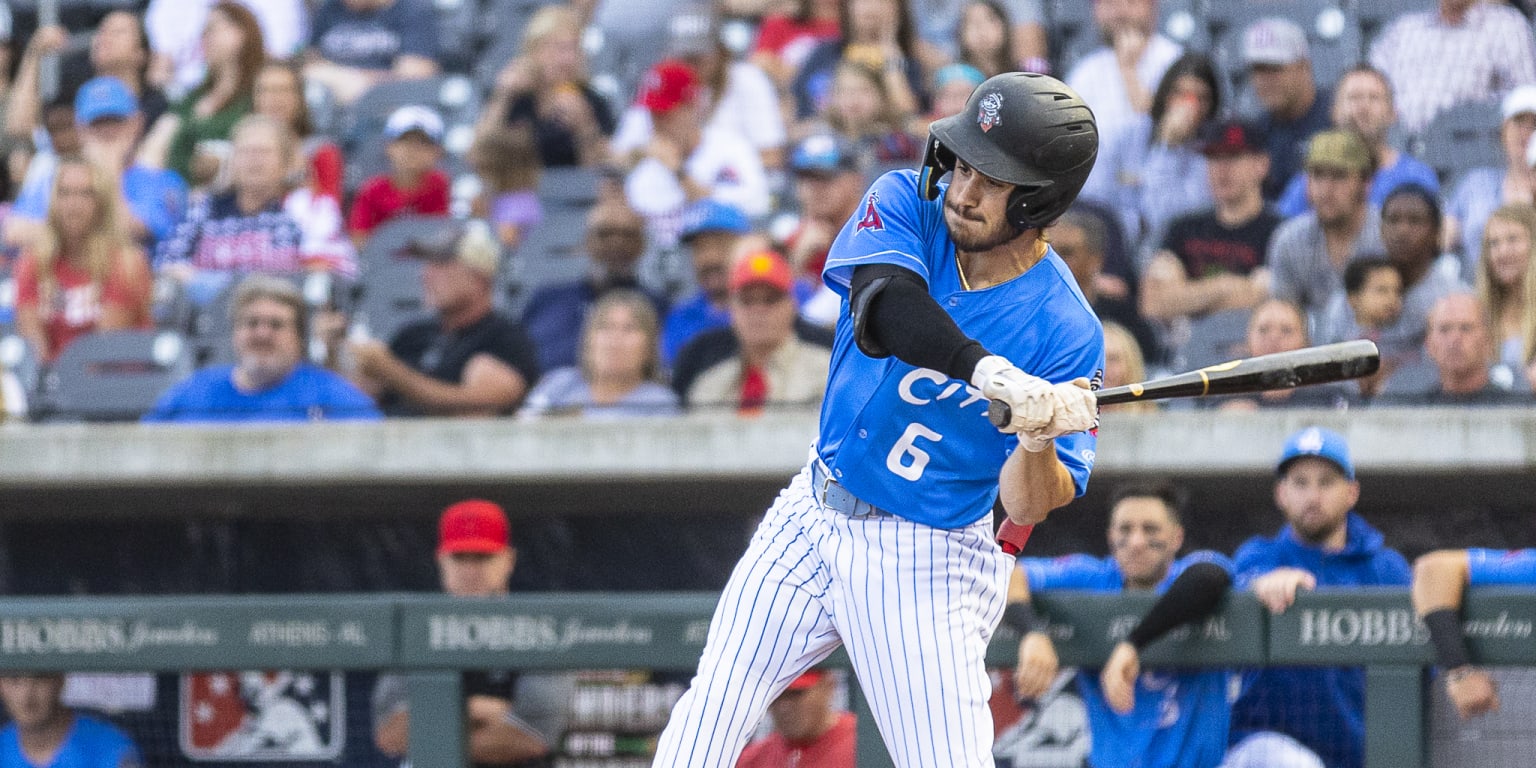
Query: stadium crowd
x=365, y=209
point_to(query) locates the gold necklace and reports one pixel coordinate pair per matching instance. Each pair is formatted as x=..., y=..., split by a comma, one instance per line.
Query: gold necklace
x=1040, y=246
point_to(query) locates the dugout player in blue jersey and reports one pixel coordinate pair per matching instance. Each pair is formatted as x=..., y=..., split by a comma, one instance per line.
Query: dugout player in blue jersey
x=1324, y=544
x=43, y=733
x=884, y=542
x=1440, y=581
x=1151, y=719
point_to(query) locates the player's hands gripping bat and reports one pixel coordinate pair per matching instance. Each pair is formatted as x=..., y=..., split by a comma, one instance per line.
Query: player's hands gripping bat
x=1030, y=401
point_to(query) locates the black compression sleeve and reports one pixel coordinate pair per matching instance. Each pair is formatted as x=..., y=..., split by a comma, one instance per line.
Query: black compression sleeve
x=1445, y=634
x=1194, y=595
x=907, y=322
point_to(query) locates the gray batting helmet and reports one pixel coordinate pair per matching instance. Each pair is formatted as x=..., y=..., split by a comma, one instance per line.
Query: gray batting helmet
x=1024, y=129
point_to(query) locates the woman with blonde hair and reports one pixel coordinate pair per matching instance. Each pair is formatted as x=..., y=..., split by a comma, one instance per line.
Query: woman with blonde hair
x=84, y=274
x=1505, y=282
x=1123, y=364
x=545, y=90
x=620, y=370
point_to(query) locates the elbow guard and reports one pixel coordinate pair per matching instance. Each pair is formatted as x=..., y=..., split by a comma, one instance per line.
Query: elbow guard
x=859, y=302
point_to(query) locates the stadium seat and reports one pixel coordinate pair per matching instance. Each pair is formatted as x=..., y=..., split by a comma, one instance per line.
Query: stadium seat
x=572, y=187
x=553, y=252
x=1215, y=338
x=112, y=375
x=1461, y=139
x=453, y=96
x=456, y=33
x=389, y=297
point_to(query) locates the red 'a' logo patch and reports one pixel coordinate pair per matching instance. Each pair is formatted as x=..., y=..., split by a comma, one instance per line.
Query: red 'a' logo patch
x=871, y=218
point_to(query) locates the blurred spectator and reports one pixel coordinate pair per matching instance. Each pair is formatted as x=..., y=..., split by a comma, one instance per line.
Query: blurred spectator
x=507, y=162
x=953, y=84
x=984, y=38
x=191, y=139
x=1324, y=544
x=1080, y=237
x=807, y=730
x=466, y=360
x=545, y=90
x=554, y=315
x=773, y=367
x=1279, y=326
x=710, y=233
x=619, y=373
x=1368, y=308
x=878, y=34
x=1123, y=364
x=829, y=188
x=1506, y=283
x=357, y=44
x=860, y=110
x=270, y=380
x=60, y=137
x=1128, y=708
x=1214, y=260
x=175, y=28
x=1362, y=102
x=119, y=48
x=511, y=718
x=1482, y=190
x=414, y=185
x=1461, y=51
x=1460, y=347
x=1410, y=234
x=109, y=125
x=279, y=94
x=737, y=96
x=1011, y=32
x=786, y=38
x=253, y=227
x=1117, y=79
x=1154, y=171
x=83, y=273
x=44, y=732
x=1279, y=62
x=1307, y=254
x=688, y=160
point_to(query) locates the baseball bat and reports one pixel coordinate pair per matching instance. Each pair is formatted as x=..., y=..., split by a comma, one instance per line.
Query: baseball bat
x=1281, y=370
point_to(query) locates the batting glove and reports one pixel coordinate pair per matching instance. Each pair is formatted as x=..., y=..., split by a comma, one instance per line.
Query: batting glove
x=1076, y=409
x=1029, y=397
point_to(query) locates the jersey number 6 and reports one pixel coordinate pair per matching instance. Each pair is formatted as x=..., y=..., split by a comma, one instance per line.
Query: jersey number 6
x=907, y=446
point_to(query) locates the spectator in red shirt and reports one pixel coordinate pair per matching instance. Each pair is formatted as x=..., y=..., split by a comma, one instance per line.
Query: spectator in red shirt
x=807, y=731
x=414, y=184
x=85, y=273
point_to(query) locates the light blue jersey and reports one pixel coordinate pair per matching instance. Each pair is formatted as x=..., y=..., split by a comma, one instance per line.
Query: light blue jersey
x=1181, y=717
x=912, y=440
x=1510, y=567
x=91, y=743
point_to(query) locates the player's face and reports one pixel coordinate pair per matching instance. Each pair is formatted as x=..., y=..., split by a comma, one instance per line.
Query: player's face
x=1509, y=251
x=476, y=574
x=976, y=210
x=267, y=339
x=1144, y=538
x=1315, y=498
x=1336, y=194
x=802, y=715
x=32, y=700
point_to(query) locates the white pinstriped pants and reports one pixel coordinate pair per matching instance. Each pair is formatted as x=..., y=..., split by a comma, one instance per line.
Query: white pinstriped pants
x=916, y=607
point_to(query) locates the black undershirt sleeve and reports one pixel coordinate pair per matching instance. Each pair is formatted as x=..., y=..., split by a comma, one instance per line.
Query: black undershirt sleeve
x=1194, y=595
x=903, y=320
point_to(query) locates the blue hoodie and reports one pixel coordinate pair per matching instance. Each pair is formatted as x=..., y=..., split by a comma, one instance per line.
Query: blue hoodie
x=1322, y=707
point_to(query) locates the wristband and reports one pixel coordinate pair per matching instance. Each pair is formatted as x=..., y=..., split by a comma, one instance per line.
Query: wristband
x=1445, y=634
x=1021, y=617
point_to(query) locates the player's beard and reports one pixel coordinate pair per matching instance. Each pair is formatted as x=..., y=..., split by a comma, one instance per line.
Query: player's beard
x=973, y=235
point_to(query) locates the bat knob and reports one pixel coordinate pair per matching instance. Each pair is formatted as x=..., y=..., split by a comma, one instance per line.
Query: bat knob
x=999, y=414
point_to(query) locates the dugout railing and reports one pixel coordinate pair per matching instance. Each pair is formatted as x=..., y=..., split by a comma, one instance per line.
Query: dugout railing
x=431, y=638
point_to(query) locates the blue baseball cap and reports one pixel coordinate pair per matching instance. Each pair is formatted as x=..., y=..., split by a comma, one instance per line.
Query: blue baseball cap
x=103, y=97
x=1320, y=443
x=713, y=216
x=824, y=154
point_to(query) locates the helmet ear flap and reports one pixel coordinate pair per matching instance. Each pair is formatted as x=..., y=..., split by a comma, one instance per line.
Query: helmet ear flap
x=937, y=161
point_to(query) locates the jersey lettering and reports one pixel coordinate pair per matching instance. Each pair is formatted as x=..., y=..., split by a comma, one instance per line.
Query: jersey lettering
x=906, y=446
x=871, y=218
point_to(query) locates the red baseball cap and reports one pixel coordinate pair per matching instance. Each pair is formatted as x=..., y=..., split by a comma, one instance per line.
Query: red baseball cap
x=806, y=680
x=762, y=268
x=474, y=525
x=668, y=85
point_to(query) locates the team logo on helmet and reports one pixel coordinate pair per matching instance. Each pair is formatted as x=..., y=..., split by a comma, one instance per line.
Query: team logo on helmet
x=988, y=112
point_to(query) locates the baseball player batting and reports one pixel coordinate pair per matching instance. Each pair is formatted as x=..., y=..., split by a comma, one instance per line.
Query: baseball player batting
x=884, y=542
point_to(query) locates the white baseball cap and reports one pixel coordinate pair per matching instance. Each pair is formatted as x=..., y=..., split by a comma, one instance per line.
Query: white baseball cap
x=1519, y=101
x=1275, y=41
x=414, y=118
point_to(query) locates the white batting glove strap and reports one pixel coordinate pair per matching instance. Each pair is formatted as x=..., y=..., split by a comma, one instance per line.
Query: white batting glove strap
x=1029, y=397
x=1035, y=443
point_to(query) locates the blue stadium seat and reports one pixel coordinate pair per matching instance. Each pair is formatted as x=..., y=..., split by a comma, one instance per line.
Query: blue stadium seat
x=112, y=375
x=1461, y=139
x=553, y=252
